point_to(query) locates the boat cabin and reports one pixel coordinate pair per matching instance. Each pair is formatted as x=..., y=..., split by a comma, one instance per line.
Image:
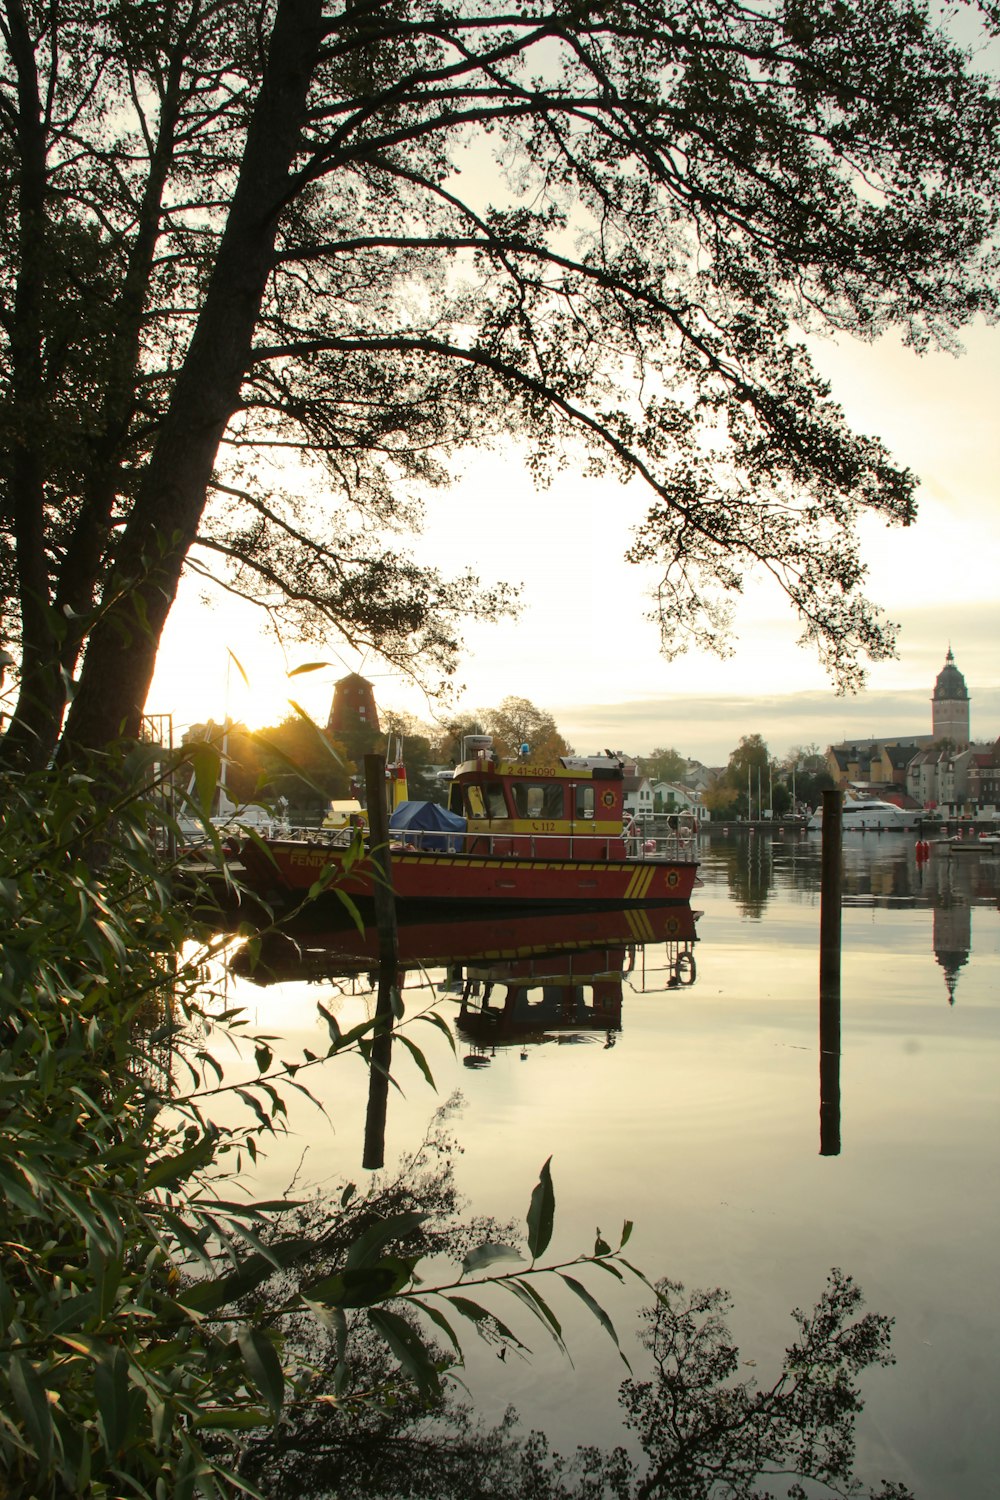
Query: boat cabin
x=566, y=807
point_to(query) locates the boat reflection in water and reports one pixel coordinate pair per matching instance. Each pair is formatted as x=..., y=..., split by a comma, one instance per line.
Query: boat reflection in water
x=519, y=980
x=569, y=946
x=570, y=996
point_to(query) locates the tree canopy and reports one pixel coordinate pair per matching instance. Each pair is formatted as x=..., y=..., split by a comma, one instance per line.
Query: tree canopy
x=664, y=765
x=516, y=722
x=267, y=268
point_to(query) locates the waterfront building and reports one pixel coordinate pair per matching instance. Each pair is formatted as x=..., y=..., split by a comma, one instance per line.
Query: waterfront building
x=950, y=705
x=942, y=770
x=674, y=796
x=638, y=794
x=875, y=763
x=984, y=778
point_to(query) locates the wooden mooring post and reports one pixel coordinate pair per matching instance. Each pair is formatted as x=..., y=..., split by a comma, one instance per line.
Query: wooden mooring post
x=388, y=967
x=831, y=884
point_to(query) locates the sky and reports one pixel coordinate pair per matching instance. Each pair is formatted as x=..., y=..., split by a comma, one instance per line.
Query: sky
x=582, y=647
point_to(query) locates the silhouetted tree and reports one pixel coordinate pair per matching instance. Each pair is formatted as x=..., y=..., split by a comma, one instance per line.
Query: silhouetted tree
x=236, y=234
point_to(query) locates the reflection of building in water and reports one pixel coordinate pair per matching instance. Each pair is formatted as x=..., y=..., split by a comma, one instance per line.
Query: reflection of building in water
x=890, y=876
x=952, y=941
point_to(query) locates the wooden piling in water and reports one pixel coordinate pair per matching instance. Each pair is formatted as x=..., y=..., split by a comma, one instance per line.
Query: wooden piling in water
x=831, y=883
x=388, y=968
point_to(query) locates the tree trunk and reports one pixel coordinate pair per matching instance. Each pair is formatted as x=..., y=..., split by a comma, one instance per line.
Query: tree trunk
x=31, y=737
x=121, y=652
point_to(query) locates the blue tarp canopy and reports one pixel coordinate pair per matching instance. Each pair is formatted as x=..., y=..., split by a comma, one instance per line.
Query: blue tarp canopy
x=432, y=821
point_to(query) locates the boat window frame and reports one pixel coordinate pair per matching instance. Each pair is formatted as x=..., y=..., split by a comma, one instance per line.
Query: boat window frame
x=552, y=803
x=496, y=802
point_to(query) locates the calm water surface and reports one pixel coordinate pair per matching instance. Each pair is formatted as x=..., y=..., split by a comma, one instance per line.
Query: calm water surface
x=687, y=1099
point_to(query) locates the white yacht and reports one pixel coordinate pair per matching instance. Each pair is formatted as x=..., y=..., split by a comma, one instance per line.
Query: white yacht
x=869, y=813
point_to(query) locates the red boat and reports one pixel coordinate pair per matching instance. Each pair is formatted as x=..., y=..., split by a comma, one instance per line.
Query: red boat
x=521, y=833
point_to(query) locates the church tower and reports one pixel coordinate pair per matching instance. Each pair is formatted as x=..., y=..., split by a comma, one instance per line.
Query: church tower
x=950, y=705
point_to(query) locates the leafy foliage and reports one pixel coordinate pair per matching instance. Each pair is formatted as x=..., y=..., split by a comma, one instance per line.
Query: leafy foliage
x=131, y=1328
x=516, y=721
x=704, y=1430
x=663, y=765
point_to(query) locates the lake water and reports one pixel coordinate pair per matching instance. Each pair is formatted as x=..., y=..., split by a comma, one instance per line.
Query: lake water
x=686, y=1097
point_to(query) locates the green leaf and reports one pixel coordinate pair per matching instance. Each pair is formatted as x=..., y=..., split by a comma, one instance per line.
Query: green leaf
x=332, y=1024
x=409, y=1348
x=32, y=1403
x=112, y=1391
x=541, y=1213
x=321, y=738
x=538, y=1307
x=417, y=1055
x=468, y=1308
x=433, y=1019
x=366, y=1249
x=597, y=1310
x=332, y=1319
x=263, y=1366
x=213, y=1292
x=206, y=762
x=17, y=1191
x=309, y=666
x=239, y=666
x=487, y=1255
x=226, y=1419
x=486, y=1322
x=359, y=1288
x=438, y=1319
x=171, y=1170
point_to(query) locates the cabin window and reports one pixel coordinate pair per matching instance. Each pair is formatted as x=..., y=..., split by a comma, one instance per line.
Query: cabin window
x=475, y=807
x=585, y=801
x=495, y=803
x=539, y=799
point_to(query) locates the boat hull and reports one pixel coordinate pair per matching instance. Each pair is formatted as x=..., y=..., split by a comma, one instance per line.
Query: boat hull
x=279, y=867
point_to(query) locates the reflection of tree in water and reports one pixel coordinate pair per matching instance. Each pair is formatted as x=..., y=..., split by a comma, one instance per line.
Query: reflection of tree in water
x=884, y=866
x=704, y=1433
x=748, y=867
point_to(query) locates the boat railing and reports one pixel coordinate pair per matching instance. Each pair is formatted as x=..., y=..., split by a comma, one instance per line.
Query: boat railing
x=635, y=842
x=675, y=845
